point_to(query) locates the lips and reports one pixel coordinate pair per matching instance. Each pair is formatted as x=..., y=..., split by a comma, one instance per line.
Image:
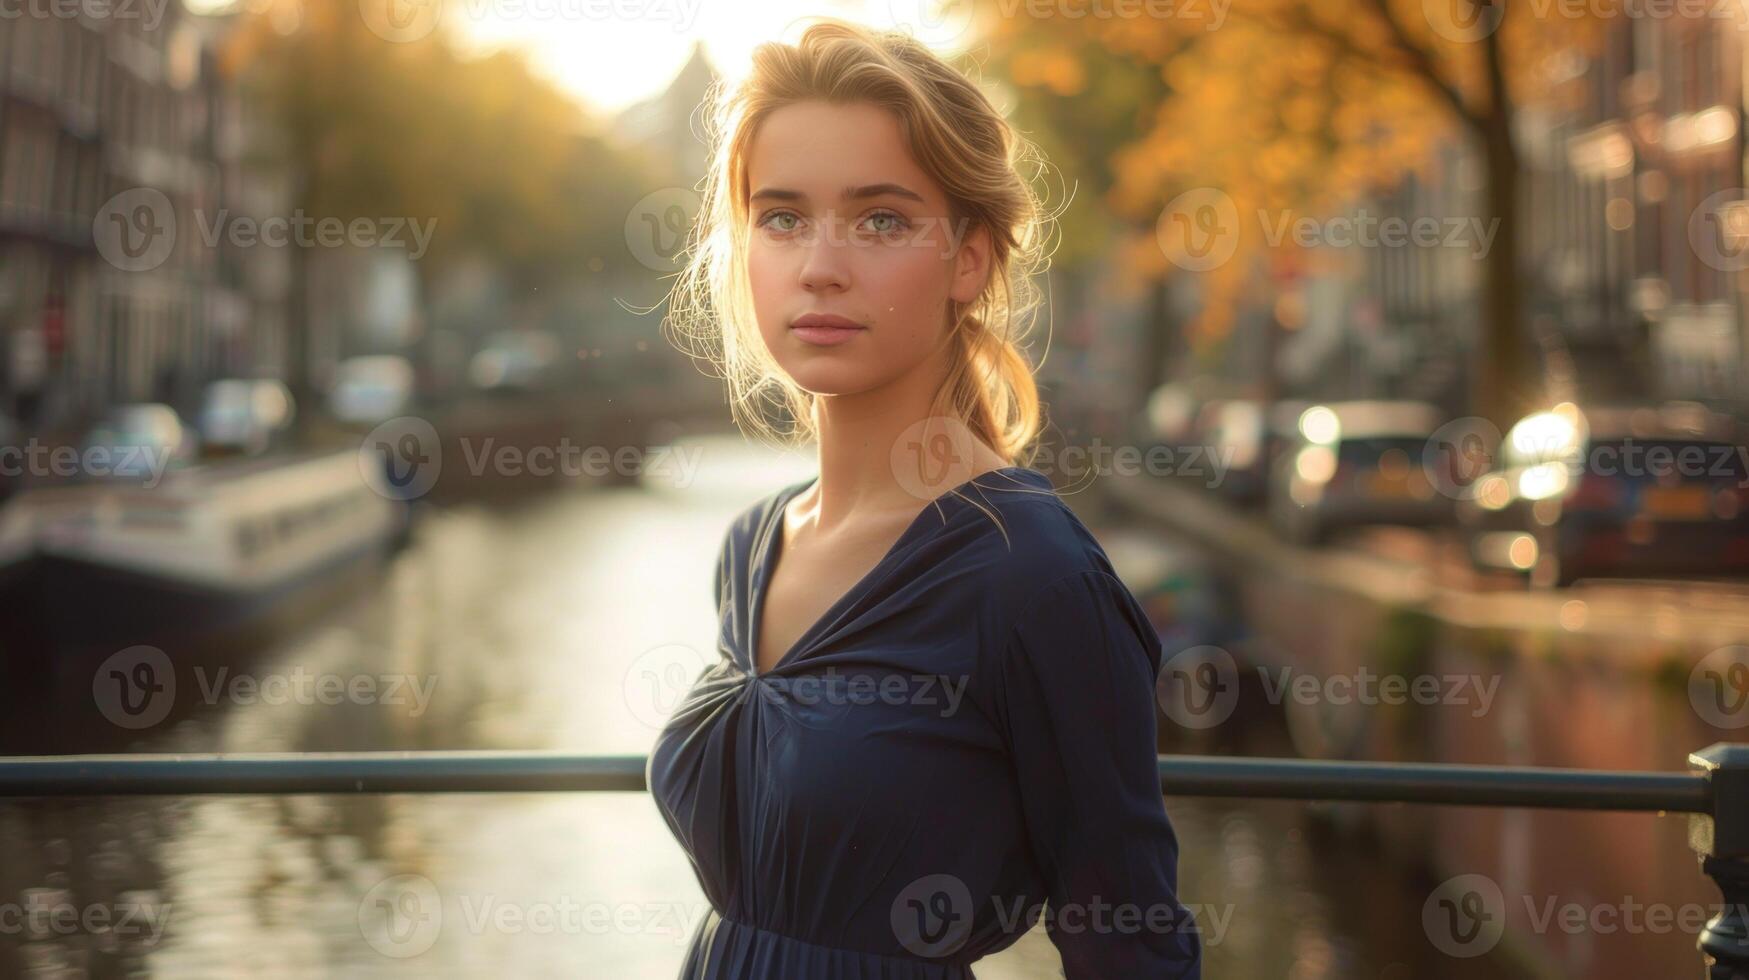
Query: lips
x=825, y=320
x=824, y=329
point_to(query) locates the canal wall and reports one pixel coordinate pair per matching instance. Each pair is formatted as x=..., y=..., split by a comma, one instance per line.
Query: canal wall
x=1375, y=662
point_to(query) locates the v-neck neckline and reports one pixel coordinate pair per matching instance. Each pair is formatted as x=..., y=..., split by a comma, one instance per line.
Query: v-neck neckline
x=771, y=548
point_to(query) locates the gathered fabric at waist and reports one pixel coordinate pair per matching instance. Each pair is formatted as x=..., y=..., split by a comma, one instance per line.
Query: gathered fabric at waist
x=725, y=949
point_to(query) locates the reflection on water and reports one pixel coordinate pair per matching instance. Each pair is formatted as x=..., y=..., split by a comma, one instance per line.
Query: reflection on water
x=565, y=622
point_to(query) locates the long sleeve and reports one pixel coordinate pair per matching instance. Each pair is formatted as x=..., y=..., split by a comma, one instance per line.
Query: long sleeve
x=1077, y=695
x=720, y=572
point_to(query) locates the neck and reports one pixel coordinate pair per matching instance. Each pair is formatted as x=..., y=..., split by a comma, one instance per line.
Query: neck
x=881, y=450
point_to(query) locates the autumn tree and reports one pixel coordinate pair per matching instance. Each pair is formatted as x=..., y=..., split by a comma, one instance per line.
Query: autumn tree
x=368, y=125
x=1310, y=105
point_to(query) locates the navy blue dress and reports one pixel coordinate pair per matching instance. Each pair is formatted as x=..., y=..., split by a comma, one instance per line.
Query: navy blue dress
x=965, y=734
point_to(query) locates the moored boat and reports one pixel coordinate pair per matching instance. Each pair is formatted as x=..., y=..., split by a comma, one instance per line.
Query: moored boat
x=208, y=548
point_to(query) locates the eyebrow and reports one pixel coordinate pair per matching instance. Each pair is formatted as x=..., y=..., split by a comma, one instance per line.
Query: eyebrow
x=880, y=190
x=849, y=193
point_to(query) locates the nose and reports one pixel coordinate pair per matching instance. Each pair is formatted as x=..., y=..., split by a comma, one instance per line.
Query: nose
x=825, y=260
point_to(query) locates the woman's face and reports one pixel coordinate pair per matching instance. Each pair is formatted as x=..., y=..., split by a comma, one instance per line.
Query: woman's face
x=844, y=226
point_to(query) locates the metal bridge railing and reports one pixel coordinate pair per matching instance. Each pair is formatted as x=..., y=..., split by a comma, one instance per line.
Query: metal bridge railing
x=1714, y=792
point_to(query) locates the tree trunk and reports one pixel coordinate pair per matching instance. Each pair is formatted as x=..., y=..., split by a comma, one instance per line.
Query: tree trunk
x=1503, y=382
x=1159, y=335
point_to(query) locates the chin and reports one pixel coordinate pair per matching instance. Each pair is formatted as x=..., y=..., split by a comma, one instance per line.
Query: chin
x=830, y=374
x=833, y=370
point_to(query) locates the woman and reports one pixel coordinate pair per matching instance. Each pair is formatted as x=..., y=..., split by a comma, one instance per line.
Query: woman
x=934, y=708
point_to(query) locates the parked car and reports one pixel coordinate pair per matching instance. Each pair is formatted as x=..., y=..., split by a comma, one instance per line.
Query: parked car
x=1246, y=438
x=1357, y=463
x=1234, y=432
x=1623, y=490
x=1215, y=443
x=1282, y=430
x=1171, y=414
x=138, y=440
x=371, y=389
x=239, y=415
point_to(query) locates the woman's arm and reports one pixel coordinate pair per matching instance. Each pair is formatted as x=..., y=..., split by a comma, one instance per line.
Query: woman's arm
x=1077, y=695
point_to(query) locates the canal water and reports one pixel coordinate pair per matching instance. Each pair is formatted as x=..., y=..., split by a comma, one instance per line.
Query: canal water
x=569, y=620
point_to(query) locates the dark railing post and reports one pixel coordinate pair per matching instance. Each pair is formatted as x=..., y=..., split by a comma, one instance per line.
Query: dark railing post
x=1721, y=838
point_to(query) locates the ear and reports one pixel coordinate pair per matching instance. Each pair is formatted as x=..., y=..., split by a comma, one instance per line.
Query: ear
x=971, y=262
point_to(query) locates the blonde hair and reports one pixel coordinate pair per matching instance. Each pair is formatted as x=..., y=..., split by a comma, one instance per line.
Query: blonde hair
x=956, y=137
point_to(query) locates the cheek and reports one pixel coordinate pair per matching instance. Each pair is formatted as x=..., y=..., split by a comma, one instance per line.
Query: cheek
x=771, y=278
x=906, y=289
x=910, y=273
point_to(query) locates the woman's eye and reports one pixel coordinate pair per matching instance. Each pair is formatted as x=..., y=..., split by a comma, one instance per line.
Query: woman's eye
x=893, y=222
x=769, y=221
